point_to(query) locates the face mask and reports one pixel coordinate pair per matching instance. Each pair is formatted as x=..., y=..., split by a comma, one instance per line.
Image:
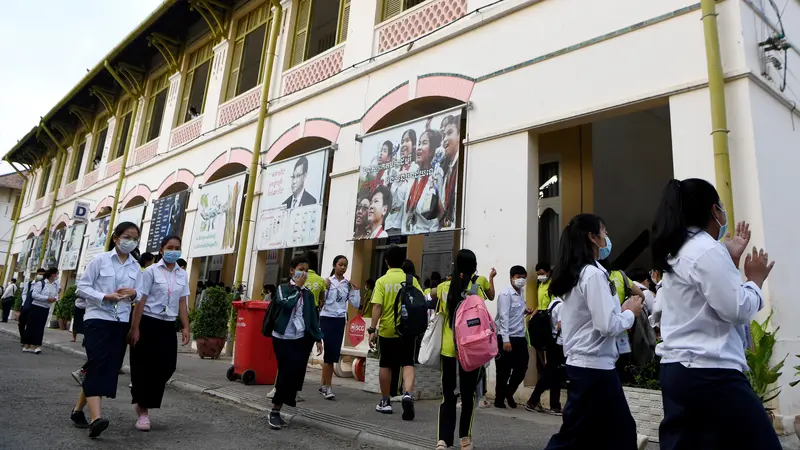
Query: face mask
x=520, y=283
x=605, y=251
x=127, y=245
x=542, y=278
x=39, y=277
x=723, y=229
x=297, y=274
x=170, y=256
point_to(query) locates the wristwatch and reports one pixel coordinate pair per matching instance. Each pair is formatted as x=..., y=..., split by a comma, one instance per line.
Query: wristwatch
x=371, y=330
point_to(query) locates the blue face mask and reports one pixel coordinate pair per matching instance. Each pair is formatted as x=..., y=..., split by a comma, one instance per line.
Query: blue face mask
x=605, y=251
x=171, y=256
x=723, y=229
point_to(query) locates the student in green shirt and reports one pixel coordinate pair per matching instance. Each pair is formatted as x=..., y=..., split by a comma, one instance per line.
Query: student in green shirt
x=314, y=283
x=543, y=272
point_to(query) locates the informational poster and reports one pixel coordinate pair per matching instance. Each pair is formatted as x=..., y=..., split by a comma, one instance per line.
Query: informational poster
x=72, y=247
x=36, y=254
x=409, y=179
x=53, y=253
x=217, y=220
x=436, y=262
x=95, y=240
x=133, y=214
x=24, y=255
x=167, y=219
x=290, y=210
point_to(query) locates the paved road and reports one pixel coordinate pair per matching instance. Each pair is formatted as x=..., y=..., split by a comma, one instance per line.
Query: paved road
x=37, y=394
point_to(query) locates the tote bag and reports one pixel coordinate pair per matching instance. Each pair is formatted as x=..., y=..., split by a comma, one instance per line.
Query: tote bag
x=431, y=346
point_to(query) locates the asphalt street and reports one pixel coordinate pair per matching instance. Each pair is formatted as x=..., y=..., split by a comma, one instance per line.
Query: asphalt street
x=37, y=394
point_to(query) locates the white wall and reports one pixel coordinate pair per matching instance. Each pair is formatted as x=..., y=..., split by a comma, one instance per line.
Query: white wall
x=8, y=197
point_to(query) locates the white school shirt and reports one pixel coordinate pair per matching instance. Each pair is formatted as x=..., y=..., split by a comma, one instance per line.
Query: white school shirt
x=11, y=289
x=591, y=319
x=40, y=292
x=511, y=313
x=105, y=274
x=413, y=222
x=164, y=290
x=399, y=187
x=705, y=307
x=337, y=296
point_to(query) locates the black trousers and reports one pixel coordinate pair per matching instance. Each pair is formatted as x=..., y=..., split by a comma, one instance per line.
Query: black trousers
x=469, y=397
x=7, y=304
x=37, y=321
x=596, y=414
x=22, y=323
x=712, y=409
x=153, y=361
x=551, y=378
x=511, y=367
x=292, y=356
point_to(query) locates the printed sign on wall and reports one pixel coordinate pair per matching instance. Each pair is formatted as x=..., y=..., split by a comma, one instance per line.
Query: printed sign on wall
x=95, y=240
x=36, y=253
x=133, y=214
x=217, y=219
x=72, y=247
x=81, y=212
x=24, y=255
x=53, y=252
x=167, y=219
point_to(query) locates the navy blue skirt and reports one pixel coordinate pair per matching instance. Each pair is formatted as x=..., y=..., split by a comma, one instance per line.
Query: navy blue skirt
x=333, y=333
x=105, y=349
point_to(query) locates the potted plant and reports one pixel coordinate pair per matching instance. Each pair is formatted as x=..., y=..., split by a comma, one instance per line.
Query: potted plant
x=17, y=307
x=210, y=325
x=762, y=375
x=65, y=307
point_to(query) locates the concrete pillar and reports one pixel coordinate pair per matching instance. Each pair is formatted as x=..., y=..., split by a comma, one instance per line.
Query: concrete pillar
x=138, y=122
x=214, y=91
x=361, y=32
x=170, y=111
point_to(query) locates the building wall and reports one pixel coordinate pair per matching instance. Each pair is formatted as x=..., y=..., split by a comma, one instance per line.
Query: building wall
x=8, y=198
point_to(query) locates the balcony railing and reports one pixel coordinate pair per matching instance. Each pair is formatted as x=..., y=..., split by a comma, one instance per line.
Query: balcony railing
x=239, y=106
x=113, y=167
x=416, y=22
x=146, y=152
x=70, y=189
x=314, y=70
x=186, y=132
x=90, y=179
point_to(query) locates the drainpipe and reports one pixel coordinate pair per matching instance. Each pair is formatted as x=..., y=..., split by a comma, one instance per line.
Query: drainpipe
x=60, y=163
x=254, y=163
x=14, y=219
x=128, y=145
x=719, y=119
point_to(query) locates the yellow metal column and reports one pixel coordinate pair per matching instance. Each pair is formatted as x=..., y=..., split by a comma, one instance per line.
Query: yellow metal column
x=14, y=220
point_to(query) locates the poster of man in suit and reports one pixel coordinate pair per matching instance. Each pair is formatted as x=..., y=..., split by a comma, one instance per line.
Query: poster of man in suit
x=300, y=196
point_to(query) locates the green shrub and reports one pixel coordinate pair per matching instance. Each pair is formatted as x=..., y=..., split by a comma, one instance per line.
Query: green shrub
x=762, y=375
x=211, y=318
x=65, y=307
x=18, y=299
x=646, y=377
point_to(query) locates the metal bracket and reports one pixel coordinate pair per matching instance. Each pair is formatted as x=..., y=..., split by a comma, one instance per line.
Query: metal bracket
x=134, y=77
x=169, y=49
x=64, y=129
x=84, y=115
x=213, y=12
x=106, y=96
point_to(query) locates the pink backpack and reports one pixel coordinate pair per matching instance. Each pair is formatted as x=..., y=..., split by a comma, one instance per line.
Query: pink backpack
x=475, y=332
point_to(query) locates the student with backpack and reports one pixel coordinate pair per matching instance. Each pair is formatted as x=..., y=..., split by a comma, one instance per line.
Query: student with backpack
x=8, y=298
x=399, y=305
x=27, y=300
x=512, y=362
x=546, y=334
x=43, y=294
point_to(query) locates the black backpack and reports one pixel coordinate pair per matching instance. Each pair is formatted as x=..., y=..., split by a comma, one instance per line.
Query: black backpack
x=415, y=320
x=540, y=328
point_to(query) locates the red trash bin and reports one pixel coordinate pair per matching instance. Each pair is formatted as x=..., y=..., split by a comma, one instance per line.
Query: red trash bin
x=253, y=358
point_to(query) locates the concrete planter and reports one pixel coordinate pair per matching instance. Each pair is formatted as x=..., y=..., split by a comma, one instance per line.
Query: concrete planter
x=427, y=380
x=647, y=410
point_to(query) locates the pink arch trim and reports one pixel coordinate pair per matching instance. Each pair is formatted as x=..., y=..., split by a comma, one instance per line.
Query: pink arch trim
x=321, y=128
x=179, y=176
x=63, y=218
x=33, y=230
x=238, y=156
x=140, y=190
x=107, y=202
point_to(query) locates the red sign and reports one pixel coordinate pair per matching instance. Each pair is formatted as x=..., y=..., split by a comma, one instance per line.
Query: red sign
x=356, y=330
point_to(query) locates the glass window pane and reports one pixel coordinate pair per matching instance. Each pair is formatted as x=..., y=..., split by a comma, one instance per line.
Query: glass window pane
x=197, y=93
x=159, y=102
x=77, y=160
x=548, y=180
x=251, y=59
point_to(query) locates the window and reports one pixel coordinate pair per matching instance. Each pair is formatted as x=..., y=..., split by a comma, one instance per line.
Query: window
x=548, y=177
x=97, y=156
x=194, y=89
x=391, y=8
x=45, y=179
x=77, y=160
x=319, y=25
x=246, y=66
x=155, y=109
x=123, y=129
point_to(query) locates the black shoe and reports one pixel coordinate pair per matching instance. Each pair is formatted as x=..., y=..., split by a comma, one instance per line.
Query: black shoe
x=511, y=402
x=499, y=404
x=275, y=422
x=79, y=419
x=97, y=427
x=408, y=407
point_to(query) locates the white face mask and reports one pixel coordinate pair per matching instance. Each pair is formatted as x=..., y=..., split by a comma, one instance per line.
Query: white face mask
x=520, y=283
x=542, y=278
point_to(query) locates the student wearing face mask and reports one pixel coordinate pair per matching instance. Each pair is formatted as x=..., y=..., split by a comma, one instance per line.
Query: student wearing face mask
x=543, y=297
x=164, y=289
x=512, y=362
x=27, y=301
x=109, y=286
x=708, y=402
x=596, y=413
x=44, y=293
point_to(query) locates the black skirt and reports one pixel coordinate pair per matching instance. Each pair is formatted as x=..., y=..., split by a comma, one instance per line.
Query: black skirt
x=292, y=356
x=105, y=344
x=37, y=321
x=77, y=320
x=153, y=361
x=333, y=332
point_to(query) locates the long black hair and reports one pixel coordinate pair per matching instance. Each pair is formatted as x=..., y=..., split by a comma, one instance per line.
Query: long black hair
x=465, y=266
x=575, y=251
x=684, y=204
x=119, y=230
x=336, y=261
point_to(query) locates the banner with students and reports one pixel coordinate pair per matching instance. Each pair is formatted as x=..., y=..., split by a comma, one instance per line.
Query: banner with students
x=72, y=247
x=290, y=208
x=35, y=259
x=24, y=255
x=217, y=219
x=409, y=178
x=95, y=240
x=53, y=252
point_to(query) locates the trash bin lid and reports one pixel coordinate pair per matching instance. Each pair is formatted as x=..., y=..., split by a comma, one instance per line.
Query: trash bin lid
x=256, y=304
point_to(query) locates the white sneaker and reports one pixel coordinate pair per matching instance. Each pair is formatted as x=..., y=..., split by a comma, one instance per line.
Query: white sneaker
x=384, y=407
x=79, y=375
x=642, y=441
x=271, y=393
x=37, y=350
x=322, y=390
x=27, y=350
x=329, y=395
x=299, y=398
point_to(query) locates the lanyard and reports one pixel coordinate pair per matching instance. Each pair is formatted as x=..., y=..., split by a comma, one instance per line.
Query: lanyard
x=170, y=285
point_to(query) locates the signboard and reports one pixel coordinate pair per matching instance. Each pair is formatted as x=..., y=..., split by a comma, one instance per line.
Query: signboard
x=133, y=214
x=356, y=330
x=167, y=219
x=290, y=212
x=36, y=254
x=53, y=253
x=81, y=212
x=72, y=247
x=95, y=240
x=217, y=218
x=408, y=182
x=24, y=255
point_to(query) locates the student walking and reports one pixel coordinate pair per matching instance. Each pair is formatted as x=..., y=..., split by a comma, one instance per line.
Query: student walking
x=596, y=414
x=295, y=333
x=164, y=290
x=706, y=306
x=512, y=362
x=43, y=294
x=333, y=319
x=108, y=285
x=8, y=298
x=27, y=300
x=552, y=375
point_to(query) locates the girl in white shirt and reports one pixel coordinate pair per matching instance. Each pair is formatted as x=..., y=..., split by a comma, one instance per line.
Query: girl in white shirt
x=108, y=285
x=596, y=414
x=164, y=289
x=339, y=293
x=706, y=307
x=44, y=293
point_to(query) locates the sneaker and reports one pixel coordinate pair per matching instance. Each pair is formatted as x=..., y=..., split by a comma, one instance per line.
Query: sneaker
x=143, y=423
x=556, y=411
x=511, y=402
x=483, y=403
x=499, y=404
x=329, y=395
x=534, y=407
x=322, y=390
x=385, y=406
x=408, y=407
x=97, y=427
x=299, y=398
x=271, y=394
x=37, y=351
x=275, y=422
x=27, y=350
x=466, y=443
x=79, y=419
x=79, y=375
x=441, y=445
x=642, y=441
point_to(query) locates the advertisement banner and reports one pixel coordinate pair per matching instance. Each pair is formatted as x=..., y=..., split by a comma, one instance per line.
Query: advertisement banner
x=95, y=240
x=36, y=254
x=167, y=219
x=133, y=214
x=24, y=255
x=409, y=178
x=217, y=218
x=53, y=252
x=72, y=247
x=290, y=209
